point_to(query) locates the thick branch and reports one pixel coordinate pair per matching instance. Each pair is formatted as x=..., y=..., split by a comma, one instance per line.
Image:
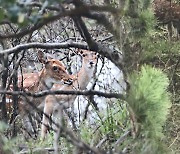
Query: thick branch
x=64, y=92
x=26, y=46
x=72, y=12
x=101, y=19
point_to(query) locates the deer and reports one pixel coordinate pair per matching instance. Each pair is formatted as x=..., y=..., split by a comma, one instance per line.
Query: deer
x=53, y=72
x=80, y=82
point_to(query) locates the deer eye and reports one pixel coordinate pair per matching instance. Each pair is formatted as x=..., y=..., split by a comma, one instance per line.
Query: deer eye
x=55, y=68
x=84, y=55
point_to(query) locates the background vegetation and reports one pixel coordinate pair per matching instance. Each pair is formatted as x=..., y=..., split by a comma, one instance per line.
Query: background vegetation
x=140, y=37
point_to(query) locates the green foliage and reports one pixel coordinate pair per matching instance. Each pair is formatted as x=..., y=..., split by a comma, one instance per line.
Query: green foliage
x=1, y=14
x=149, y=100
x=149, y=146
x=156, y=44
x=3, y=126
x=86, y=133
x=141, y=19
x=146, y=4
x=114, y=119
x=147, y=17
x=112, y=123
x=5, y=144
x=21, y=13
x=143, y=24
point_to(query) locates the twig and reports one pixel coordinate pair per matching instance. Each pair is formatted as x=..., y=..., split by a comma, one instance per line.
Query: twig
x=176, y=138
x=122, y=138
x=104, y=139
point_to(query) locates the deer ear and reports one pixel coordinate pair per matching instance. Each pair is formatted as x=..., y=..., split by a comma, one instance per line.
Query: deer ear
x=42, y=57
x=50, y=56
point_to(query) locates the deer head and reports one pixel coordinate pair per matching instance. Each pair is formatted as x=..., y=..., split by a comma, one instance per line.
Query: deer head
x=53, y=71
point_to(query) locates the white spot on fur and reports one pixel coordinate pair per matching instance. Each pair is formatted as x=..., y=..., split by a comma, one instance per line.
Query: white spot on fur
x=49, y=82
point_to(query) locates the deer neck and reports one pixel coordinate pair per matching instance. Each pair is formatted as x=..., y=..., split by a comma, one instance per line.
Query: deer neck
x=84, y=76
x=43, y=83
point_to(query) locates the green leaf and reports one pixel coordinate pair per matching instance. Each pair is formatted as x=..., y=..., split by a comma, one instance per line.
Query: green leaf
x=1, y=14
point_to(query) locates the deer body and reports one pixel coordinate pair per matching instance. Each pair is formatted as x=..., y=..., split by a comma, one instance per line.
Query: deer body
x=80, y=82
x=53, y=72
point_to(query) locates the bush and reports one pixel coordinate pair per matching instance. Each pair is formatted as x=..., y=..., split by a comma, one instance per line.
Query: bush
x=150, y=102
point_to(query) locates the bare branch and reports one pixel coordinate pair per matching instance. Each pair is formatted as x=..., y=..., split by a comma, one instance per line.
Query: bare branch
x=47, y=20
x=99, y=8
x=63, y=92
x=26, y=46
x=101, y=49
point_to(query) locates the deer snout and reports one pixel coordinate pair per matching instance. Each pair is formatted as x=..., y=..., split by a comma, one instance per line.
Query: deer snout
x=91, y=62
x=68, y=81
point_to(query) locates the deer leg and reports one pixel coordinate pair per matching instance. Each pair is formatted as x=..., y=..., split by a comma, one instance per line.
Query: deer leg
x=48, y=110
